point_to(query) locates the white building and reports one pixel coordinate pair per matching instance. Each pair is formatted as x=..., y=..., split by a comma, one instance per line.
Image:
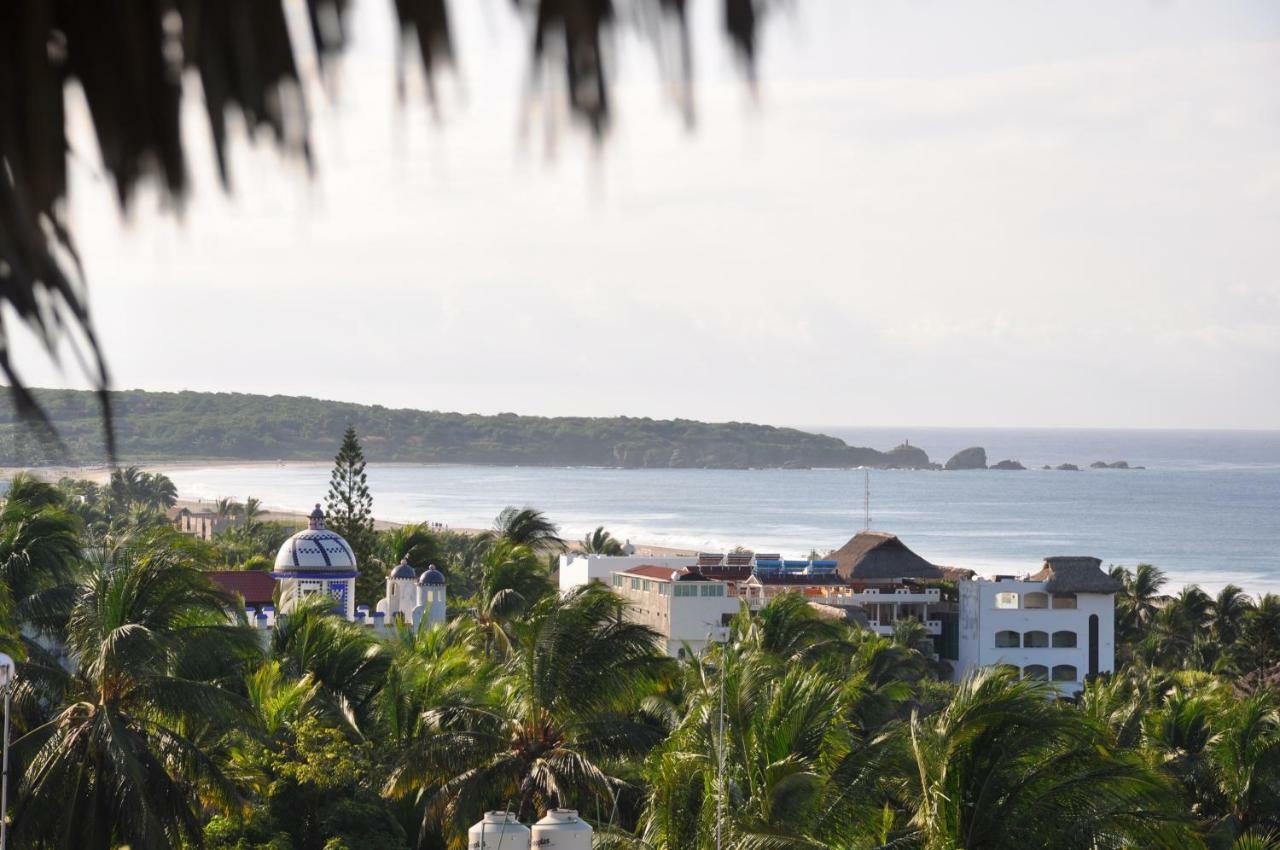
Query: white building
x=683, y=605
x=577, y=570
x=1058, y=624
x=318, y=560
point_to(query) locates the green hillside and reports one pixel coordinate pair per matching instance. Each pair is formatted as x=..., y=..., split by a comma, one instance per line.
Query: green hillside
x=237, y=426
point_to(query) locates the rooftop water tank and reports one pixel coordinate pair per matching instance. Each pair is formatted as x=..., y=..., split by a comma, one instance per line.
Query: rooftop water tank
x=498, y=831
x=562, y=829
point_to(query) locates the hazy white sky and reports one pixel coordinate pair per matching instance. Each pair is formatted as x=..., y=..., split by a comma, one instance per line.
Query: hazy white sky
x=964, y=213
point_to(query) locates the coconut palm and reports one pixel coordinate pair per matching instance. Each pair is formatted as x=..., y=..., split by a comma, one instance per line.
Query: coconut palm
x=1258, y=649
x=1004, y=765
x=25, y=487
x=348, y=664
x=39, y=559
x=566, y=707
x=1246, y=763
x=527, y=527
x=118, y=763
x=1137, y=604
x=1229, y=609
x=512, y=581
x=600, y=542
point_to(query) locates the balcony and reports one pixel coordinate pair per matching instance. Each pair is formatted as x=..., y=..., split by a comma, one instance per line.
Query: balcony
x=931, y=627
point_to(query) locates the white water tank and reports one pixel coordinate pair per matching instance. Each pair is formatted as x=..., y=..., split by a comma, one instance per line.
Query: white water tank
x=498, y=831
x=562, y=829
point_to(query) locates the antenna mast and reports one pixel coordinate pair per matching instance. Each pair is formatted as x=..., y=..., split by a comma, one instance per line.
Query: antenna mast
x=866, y=500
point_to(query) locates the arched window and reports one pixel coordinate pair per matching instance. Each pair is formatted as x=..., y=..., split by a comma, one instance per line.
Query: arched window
x=1006, y=600
x=1007, y=638
x=1064, y=600
x=1035, y=640
x=1064, y=640
x=1035, y=600
x=1035, y=671
x=1064, y=673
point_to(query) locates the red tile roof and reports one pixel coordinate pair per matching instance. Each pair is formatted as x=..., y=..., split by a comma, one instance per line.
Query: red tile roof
x=253, y=586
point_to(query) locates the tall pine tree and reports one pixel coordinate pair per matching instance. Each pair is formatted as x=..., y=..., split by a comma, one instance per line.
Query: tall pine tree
x=349, y=511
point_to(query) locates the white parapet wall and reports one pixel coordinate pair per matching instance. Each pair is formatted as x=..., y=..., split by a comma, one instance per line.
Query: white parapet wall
x=576, y=570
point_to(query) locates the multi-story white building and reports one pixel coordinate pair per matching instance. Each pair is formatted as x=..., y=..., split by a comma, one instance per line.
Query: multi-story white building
x=687, y=608
x=1058, y=624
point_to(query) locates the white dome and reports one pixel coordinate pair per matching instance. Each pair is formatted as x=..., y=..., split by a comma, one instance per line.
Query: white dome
x=315, y=550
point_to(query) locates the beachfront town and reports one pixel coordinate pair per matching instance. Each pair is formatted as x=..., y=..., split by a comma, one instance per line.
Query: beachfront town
x=1055, y=622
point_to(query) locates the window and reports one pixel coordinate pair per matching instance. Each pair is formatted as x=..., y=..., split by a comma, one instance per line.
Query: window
x=1064, y=673
x=648, y=586
x=617, y=580
x=1064, y=600
x=664, y=589
x=1093, y=645
x=1006, y=639
x=635, y=584
x=1006, y=600
x=685, y=590
x=1035, y=640
x=1035, y=600
x=713, y=590
x=1035, y=671
x=1064, y=640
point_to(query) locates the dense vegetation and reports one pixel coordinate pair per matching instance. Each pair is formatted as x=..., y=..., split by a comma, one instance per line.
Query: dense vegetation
x=152, y=425
x=167, y=724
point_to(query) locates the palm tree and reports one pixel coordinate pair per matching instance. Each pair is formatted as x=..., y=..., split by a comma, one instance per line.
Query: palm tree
x=348, y=664
x=118, y=763
x=1246, y=762
x=1229, y=609
x=157, y=491
x=251, y=510
x=1258, y=649
x=566, y=708
x=1006, y=766
x=512, y=581
x=527, y=527
x=1137, y=604
x=600, y=542
x=227, y=508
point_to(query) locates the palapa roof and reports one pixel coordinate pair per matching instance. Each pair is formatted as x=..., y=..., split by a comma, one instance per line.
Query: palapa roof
x=1075, y=574
x=877, y=556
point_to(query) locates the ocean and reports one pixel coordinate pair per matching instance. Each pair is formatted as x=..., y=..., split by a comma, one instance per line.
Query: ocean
x=1206, y=508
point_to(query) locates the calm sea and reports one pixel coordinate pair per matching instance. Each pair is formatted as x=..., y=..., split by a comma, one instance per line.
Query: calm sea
x=1206, y=509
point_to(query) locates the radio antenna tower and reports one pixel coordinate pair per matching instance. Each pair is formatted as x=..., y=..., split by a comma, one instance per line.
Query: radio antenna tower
x=866, y=500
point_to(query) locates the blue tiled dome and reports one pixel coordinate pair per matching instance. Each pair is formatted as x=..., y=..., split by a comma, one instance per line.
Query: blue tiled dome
x=403, y=570
x=317, y=549
x=431, y=576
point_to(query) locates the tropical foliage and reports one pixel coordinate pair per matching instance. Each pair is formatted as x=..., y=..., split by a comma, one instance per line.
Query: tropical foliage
x=148, y=715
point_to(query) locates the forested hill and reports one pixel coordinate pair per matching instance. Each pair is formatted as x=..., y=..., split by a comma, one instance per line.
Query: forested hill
x=235, y=426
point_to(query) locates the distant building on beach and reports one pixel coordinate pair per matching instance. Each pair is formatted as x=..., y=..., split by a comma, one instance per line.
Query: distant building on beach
x=1057, y=624
x=202, y=525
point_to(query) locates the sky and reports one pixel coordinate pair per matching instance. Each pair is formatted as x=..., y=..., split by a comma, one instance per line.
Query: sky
x=1020, y=213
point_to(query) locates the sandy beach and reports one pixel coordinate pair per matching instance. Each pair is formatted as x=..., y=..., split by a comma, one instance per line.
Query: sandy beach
x=273, y=513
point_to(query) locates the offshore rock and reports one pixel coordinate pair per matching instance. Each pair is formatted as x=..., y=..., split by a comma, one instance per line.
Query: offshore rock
x=974, y=457
x=1007, y=464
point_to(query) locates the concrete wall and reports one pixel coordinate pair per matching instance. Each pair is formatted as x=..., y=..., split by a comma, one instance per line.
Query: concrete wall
x=577, y=570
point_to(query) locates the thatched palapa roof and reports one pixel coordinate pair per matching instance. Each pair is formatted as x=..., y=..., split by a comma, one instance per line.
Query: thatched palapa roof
x=877, y=556
x=1076, y=574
